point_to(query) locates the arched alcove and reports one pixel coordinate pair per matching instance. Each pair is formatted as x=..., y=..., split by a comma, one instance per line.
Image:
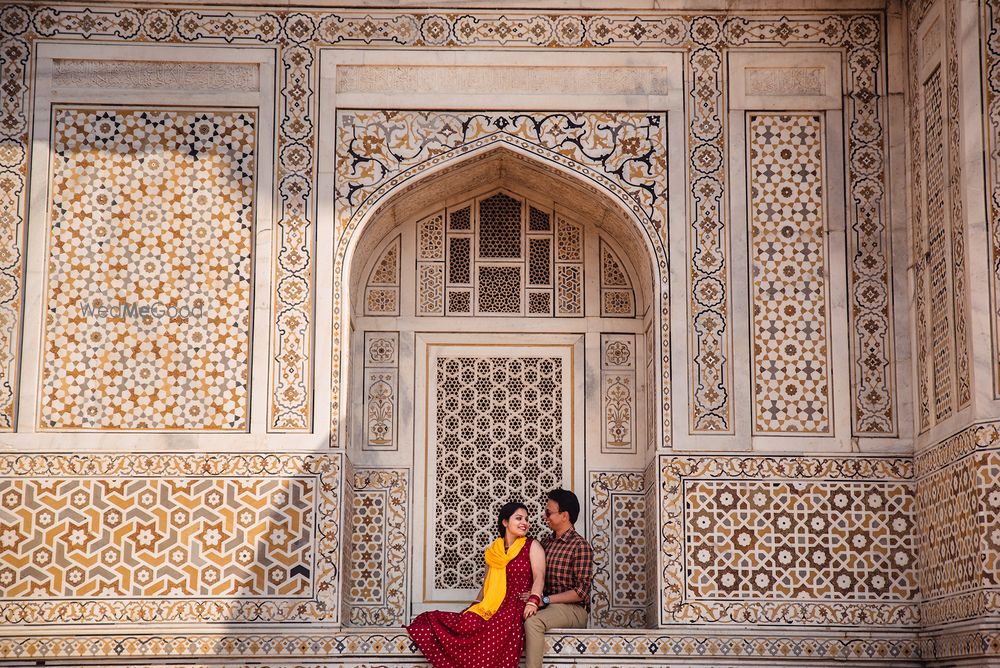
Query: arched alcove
x=502, y=336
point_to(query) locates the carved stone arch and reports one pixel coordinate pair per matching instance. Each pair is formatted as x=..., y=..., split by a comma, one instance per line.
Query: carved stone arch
x=406, y=194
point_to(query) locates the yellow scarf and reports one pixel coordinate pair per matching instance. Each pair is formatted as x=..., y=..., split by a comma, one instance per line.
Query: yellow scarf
x=495, y=588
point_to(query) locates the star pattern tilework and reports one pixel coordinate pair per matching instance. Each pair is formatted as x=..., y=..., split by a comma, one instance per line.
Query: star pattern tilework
x=149, y=209
x=788, y=264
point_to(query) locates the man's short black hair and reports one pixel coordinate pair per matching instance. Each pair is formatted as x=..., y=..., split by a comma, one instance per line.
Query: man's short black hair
x=567, y=502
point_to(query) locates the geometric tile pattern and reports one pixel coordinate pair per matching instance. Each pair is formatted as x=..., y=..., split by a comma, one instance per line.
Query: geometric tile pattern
x=788, y=295
x=375, y=591
x=147, y=326
x=804, y=540
x=618, y=536
x=483, y=405
x=958, y=526
x=847, y=541
x=173, y=538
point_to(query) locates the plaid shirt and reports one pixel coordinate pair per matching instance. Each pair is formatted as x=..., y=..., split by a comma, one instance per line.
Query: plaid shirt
x=569, y=564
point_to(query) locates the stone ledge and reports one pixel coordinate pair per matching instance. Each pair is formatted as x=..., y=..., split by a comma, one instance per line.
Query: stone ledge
x=391, y=647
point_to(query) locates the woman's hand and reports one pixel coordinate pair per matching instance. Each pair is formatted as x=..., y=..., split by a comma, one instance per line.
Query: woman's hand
x=530, y=610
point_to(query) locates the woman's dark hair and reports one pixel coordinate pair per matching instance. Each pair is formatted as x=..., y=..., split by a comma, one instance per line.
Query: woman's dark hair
x=507, y=511
x=567, y=502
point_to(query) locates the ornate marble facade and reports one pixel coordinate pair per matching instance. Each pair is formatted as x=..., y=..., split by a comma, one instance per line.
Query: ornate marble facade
x=732, y=276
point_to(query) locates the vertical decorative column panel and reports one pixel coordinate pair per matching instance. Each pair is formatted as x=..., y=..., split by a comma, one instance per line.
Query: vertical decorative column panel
x=15, y=69
x=939, y=296
x=619, y=536
x=789, y=297
x=940, y=300
x=991, y=49
x=618, y=393
x=959, y=275
x=431, y=265
x=709, y=330
x=381, y=391
x=292, y=301
x=569, y=267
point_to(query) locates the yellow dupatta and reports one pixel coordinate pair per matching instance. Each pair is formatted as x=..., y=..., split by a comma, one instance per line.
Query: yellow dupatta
x=495, y=588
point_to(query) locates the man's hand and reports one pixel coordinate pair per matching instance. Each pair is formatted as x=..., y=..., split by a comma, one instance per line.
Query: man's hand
x=525, y=595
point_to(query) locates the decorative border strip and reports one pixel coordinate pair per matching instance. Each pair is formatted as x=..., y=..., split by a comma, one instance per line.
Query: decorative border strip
x=299, y=34
x=985, y=436
x=675, y=608
x=389, y=644
x=326, y=548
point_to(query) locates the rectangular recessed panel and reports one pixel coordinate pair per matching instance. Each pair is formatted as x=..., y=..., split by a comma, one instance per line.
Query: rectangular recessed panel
x=941, y=301
x=500, y=228
x=459, y=260
x=540, y=261
x=788, y=291
x=150, y=263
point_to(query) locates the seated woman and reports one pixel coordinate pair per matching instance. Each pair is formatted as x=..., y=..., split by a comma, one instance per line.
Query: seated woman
x=490, y=632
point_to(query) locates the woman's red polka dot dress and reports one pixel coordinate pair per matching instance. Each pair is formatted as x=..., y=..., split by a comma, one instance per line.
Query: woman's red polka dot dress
x=466, y=640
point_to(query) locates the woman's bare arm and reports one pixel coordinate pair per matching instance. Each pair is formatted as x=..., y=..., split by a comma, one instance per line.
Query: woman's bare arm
x=537, y=556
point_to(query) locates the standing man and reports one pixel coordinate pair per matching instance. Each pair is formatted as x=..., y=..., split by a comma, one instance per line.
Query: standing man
x=569, y=570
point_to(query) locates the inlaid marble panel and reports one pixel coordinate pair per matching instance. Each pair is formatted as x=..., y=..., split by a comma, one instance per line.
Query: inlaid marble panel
x=800, y=540
x=958, y=526
x=148, y=288
x=174, y=538
x=619, y=536
x=789, y=293
x=376, y=589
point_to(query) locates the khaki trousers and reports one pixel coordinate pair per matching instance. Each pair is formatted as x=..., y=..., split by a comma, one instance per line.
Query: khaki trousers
x=553, y=616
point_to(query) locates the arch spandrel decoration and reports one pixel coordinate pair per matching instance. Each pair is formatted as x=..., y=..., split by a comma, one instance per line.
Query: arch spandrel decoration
x=619, y=155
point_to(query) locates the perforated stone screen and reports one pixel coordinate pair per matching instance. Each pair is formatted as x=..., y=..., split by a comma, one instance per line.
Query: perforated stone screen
x=499, y=435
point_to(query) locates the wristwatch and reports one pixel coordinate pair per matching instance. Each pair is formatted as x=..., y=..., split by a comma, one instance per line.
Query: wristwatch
x=545, y=600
